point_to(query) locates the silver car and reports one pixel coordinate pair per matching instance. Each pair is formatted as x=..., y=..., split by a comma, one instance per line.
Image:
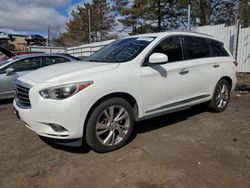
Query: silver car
x=16, y=66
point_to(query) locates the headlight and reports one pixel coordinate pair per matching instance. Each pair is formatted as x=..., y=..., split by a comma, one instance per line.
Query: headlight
x=64, y=91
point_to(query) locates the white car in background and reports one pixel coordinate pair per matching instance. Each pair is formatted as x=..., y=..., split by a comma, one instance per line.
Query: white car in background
x=16, y=66
x=131, y=79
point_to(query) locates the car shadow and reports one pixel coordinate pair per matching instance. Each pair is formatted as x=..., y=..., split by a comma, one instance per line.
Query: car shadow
x=6, y=101
x=167, y=120
x=83, y=149
x=140, y=127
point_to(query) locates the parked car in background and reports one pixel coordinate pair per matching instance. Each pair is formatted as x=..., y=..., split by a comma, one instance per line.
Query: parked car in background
x=131, y=79
x=16, y=66
x=6, y=54
x=36, y=40
x=71, y=56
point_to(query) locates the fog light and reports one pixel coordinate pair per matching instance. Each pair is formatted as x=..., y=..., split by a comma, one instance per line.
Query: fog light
x=57, y=128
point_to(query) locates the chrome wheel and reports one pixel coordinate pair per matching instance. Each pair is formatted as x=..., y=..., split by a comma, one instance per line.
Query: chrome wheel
x=112, y=125
x=222, y=95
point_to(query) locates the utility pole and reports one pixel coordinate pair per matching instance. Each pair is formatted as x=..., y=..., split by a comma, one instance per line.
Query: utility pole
x=89, y=25
x=237, y=30
x=48, y=40
x=189, y=17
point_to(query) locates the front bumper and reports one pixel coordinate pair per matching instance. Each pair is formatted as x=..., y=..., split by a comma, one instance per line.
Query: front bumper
x=69, y=114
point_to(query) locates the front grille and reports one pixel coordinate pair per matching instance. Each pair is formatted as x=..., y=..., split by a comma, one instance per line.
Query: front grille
x=22, y=94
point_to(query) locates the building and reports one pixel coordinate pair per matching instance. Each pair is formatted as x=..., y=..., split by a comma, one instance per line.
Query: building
x=18, y=41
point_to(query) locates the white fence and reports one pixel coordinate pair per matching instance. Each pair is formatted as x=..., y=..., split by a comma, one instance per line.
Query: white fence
x=226, y=34
x=244, y=50
x=46, y=49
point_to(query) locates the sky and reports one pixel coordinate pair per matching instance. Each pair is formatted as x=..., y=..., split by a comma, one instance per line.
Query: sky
x=35, y=16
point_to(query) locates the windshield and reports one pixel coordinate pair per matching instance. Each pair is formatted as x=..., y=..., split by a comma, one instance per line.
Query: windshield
x=122, y=50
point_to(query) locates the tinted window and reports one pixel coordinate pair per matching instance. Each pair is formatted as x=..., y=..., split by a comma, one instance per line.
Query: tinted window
x=26, y=64
x=171, y=47
x=70, y=56
x=53, y=60
x=195, y=47
x=121, y=50
x=217, y=49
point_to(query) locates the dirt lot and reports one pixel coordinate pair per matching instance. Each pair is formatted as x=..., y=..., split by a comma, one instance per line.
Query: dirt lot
x=194, y=148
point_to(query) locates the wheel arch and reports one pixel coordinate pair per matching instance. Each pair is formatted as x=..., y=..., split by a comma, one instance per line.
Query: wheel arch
x=129, y=98
x=228, y=79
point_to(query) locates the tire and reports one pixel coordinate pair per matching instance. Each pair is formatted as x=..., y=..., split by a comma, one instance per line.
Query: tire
x=106, y=132
x=221, y=96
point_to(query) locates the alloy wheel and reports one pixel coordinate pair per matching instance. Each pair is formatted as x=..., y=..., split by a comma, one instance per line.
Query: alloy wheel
x=222, y=95
x=112, y=125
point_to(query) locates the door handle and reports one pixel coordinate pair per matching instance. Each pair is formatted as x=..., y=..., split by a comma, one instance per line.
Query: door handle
x=216, y=65
x=184, y=71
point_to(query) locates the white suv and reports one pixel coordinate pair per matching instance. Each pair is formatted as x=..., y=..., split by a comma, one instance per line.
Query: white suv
x=131, y=79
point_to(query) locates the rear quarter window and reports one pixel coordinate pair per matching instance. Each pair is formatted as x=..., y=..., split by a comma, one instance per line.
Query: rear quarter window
x=217, y=49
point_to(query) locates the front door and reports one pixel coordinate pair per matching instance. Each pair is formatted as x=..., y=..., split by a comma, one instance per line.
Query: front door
x=166, y=86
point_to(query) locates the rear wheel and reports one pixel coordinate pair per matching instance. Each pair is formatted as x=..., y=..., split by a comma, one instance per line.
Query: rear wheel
x=221, y=96
x=110, y=125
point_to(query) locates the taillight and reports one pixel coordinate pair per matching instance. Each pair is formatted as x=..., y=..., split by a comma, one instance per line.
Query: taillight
x=236, y=63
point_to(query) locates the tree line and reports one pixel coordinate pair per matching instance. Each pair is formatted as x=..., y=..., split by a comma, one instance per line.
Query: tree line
x=145, y=16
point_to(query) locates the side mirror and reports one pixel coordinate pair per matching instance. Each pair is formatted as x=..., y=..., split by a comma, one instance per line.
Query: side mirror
x=158, y=58
x=9, y=71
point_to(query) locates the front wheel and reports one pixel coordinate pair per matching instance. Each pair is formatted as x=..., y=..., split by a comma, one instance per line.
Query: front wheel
x=221, y=96
x=110, y=125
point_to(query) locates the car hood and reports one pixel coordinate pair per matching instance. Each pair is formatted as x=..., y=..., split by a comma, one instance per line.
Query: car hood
x=68, y=71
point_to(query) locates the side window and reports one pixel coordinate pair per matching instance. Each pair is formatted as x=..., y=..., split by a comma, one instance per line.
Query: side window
x=53, y=60
x=61, y=60
x=217, y=49
x=171, y=47
x=195, y=47
x=26, y=64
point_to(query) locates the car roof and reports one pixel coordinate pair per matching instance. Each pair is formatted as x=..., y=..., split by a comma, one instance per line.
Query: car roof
x=20, y=57
x=43, y=55
x=187, y=33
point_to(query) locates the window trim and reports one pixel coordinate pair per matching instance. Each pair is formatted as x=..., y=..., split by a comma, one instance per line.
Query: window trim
x=210, y=50
x=144, y=64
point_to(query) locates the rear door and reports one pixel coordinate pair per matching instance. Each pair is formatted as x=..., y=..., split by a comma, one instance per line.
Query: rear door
x=20, y=67
x=204, y=66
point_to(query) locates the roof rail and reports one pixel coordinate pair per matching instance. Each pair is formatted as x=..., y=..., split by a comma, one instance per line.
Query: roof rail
x=194, y=32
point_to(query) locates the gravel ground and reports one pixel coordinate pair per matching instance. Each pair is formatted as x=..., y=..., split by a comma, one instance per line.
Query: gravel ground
x=243, y=78
x=193, y=148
